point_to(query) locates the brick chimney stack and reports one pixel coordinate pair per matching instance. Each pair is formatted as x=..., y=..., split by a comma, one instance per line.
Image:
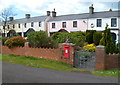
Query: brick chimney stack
x=48, y=13
x=53, y=13
x=11, y=18
x=27, y=16
x=91, y=9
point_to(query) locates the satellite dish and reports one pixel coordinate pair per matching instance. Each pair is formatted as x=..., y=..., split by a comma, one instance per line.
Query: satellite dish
x=92, y=25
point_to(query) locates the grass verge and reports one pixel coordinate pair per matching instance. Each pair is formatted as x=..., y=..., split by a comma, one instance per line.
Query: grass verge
x=37, y=62
x=0, y=57
x=109, y=73
x=55, y=65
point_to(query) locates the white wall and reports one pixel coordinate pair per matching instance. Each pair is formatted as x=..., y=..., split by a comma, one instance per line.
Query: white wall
x=81, y=26
x=104, y=21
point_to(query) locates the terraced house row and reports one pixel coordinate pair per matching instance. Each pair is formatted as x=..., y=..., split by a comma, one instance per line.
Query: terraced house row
x=66, y=23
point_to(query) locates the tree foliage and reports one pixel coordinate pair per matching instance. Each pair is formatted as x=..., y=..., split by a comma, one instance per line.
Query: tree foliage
x=5, y=14
x=97, y=37
x=41, y=39
x=77, y=38
x=107, y=41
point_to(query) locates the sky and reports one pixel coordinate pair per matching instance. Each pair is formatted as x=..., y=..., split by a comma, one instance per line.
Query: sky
x=62, y=7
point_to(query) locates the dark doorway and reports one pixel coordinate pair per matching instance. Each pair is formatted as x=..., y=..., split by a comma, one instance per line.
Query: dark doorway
x=11, y=33
x=28, y=31
x=62, y=30
x=114, y=37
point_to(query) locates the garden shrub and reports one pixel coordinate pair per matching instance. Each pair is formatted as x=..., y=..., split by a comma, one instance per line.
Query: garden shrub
x=77, y=38
x=90, y=47
x=14, y=35
x=16, y=41
x=3, y=39
x=89, y=36
x=60, y=37
x=97, y=37
x=108, y=42
x=41, y=39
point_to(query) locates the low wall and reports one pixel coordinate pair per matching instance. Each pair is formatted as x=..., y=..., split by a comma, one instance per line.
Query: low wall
x=112, y=61
x=45, y=53
x=106, y=61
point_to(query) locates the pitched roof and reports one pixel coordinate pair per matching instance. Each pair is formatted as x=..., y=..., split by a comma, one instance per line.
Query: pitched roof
x=25, y=20
x=104, y=14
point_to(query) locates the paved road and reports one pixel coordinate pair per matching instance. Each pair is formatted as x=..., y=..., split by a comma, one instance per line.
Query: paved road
x=15, y=73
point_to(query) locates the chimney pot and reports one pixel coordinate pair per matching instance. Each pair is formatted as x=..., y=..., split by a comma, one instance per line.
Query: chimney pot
x=91, y=9
x=27, y=16
x=11, y=18
x=110, y=9
x=48, y=13
x=53, y=13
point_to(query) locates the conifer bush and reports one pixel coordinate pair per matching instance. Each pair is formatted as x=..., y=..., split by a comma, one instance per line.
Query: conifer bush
x=108, y=42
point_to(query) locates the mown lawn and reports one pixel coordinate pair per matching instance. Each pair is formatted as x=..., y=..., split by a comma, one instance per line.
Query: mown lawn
x=55, y=65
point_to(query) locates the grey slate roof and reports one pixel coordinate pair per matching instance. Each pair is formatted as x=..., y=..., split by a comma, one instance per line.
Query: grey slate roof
x=104, y=14
x=31, y=19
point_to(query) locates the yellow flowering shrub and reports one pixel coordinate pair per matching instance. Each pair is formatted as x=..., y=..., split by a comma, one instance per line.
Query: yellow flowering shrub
x=90, y=47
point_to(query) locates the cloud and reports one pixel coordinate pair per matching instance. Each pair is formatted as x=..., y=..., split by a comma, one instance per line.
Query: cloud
x=62, y=6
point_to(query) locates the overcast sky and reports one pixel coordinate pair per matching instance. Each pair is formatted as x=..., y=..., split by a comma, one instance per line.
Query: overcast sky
x=63, y=7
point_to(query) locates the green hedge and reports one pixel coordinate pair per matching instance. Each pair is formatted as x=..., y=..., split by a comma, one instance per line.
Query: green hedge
x=77, y=38
x=41, y=39
x=3, y=39
x=89, y=36
x=97, y=37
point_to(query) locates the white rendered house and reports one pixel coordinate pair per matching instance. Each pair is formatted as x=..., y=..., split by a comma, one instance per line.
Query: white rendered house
x=87, y=21
x=25, y=25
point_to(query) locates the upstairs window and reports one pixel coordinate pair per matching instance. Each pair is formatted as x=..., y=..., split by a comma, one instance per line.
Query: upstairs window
x=114, y=22
x=25, y=25
x=39, y=24
x=53, y=25
x=32, y=24
x=64, y=24
x=13, y=26
x=99, y=22
x=74, y=23
x=18, y=25
x=8, y=27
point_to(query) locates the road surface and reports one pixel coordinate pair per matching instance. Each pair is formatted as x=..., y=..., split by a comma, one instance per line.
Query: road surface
x=15, y=73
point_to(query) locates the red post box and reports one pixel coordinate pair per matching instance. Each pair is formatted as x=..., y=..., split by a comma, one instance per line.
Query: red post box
x=66, y=51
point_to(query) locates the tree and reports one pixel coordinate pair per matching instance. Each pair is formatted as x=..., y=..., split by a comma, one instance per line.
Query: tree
x=5, y=14
x=107, y=41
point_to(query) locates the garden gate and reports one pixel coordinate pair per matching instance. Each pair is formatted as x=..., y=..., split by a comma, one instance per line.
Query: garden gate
x=85, y=60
